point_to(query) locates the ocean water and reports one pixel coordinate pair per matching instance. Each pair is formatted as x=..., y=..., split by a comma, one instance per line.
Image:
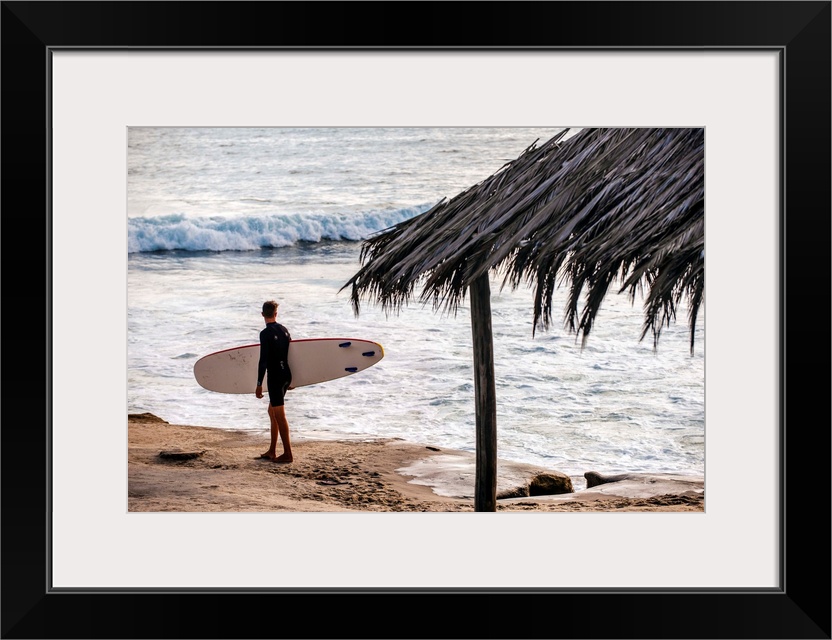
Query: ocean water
x=220, y=220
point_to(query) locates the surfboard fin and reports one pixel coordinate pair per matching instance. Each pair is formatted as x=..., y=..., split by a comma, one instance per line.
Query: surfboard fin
x=345, y=344
x=351, y=369
x=369, y=353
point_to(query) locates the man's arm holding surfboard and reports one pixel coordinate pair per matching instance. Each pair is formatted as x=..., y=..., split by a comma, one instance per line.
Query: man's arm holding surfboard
x=311, y=361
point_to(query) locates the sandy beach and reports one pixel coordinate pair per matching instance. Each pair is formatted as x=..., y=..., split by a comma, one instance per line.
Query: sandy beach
x=202, y=469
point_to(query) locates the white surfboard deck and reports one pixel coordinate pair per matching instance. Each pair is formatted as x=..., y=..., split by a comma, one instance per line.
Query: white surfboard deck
x=311, y=361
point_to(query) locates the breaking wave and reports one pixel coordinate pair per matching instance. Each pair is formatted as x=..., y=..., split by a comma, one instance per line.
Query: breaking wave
x=248, y=233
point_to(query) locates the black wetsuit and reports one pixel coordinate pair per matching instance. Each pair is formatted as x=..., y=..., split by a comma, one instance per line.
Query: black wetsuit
x=274, y=359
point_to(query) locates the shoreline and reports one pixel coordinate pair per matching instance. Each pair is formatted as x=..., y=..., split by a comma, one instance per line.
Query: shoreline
x=180, y=468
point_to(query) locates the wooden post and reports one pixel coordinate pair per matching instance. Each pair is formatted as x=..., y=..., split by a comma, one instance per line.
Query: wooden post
x=485, y=489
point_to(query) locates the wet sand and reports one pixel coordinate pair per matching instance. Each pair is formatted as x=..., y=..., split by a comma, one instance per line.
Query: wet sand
x=200, y=469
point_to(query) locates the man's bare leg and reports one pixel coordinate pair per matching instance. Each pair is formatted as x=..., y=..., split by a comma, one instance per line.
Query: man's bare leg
x=278, y=418
x=271, y=454
x=278, y=415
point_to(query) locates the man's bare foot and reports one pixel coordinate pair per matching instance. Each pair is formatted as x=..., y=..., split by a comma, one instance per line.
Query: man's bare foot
x=268, y=456
x=283, y=458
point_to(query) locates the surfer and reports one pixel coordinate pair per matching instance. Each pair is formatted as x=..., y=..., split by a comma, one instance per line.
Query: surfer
x=274, y=359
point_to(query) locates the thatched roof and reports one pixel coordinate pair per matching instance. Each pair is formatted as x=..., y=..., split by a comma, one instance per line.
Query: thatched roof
x=603, y=207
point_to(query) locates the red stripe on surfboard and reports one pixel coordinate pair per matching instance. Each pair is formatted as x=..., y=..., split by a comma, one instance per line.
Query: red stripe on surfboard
x=248, y=346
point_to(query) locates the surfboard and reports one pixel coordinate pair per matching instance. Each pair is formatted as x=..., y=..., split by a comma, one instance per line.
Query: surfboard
x=311, y=360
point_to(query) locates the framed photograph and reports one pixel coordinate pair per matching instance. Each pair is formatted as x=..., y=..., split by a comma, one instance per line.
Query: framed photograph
x=82, y=81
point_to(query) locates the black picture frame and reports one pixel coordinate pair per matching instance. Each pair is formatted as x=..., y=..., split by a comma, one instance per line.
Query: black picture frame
x=799, y=31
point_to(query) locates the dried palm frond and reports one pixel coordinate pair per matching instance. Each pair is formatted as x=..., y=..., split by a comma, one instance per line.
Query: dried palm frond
x=601, y=208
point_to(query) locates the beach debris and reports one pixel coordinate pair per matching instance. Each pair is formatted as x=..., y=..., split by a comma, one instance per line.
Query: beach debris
x=593, y=478
x=514, y=492
x=541, y=484
x=549, y=484
x=330, y=480
x=641, y=485
x=144, y=417
x=178, y=454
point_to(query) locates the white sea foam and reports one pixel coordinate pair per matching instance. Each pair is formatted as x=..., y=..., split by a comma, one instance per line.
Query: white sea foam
x=251, y=232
